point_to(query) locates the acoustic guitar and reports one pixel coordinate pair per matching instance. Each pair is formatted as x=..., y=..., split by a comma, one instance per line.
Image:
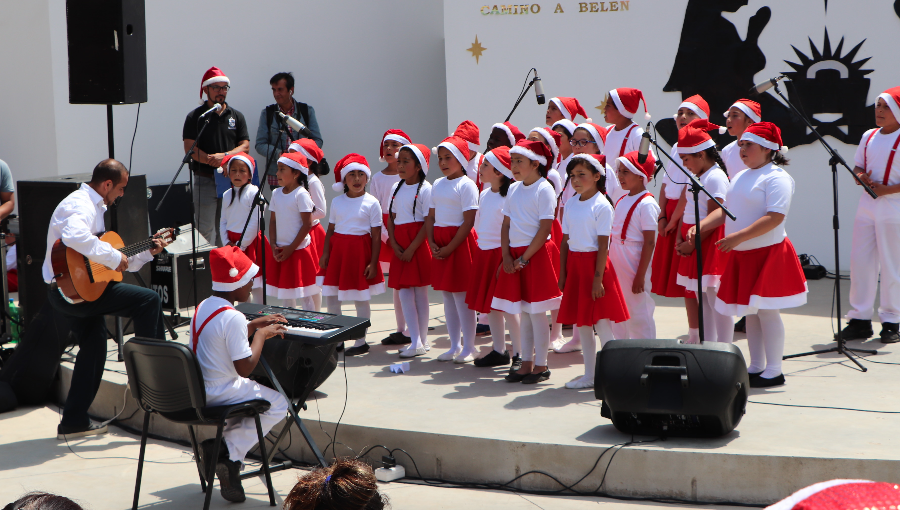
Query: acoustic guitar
x=81, y=280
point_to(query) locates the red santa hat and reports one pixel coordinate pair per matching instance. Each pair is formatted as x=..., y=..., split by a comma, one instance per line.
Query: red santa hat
x=766, y=134
x=750, y=108
x=891, y=96
x=567, y=124
x=468, y=131
x=694, y=138
x=458, y=147
x=421, y=152
x=569, y=107
x=295, y=160
x=231, y=269
x=627, y=100
x=553, y=140
x=630, y=161
x=598, y=133
x=212, y=75
x=535, y=151
x=347, y=164
x=597, y=161
x=697, y=105
x=512, y=132
x=396, y=135
x=499, y=158
x=308, y=147
x=240, y=156
x=841, y=495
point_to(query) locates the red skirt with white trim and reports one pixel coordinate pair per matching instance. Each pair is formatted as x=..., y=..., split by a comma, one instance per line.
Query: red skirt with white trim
x=416, y=272
x=252, y=253
x=452, y=274
x=292, y=278
x=317, y=237
x=556, y=232
x=664, y=273
x=386, y=255
x=484, y=279
x=345, y=275
x=767, y=278
x=553, y=250
x=713, y=263
x=578, y=307
x=534, y=289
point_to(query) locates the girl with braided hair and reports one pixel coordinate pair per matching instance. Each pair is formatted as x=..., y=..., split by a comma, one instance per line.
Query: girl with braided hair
x=410, y=272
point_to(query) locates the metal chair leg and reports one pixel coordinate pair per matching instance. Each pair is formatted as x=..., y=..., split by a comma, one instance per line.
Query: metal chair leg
x=140, y=471
x=197, y=454
x=211, y=469
x=265, y=461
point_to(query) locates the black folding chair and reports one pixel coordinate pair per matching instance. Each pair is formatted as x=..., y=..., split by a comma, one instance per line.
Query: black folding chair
x=165, y=379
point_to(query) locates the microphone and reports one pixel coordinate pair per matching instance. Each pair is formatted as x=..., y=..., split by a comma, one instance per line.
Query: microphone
x=215, y=108
x=644, y=149
x=766, y=85
x=538, y=88
x=296, y=125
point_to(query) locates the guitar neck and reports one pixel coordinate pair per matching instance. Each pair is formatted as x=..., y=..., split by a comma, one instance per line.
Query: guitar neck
x=136, y=248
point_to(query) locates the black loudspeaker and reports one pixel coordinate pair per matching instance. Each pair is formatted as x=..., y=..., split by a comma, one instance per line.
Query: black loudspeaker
x=107, y=51
x=295, y=364
x=37, y=200
x=664, y=387
x=177, y=209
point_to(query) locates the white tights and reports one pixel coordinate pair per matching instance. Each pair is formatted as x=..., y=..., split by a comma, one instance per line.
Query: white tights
x=363, y=310
x=589, y=345
x=555, y=327
x=399, y=314
x=535, y=338
x=414, y=304
x=716, y=327
x=460, y=321
x=496, y=320
x=765, y=338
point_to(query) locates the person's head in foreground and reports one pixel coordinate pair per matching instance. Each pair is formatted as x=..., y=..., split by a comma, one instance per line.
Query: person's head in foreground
x=347, y=484
x=42, y=501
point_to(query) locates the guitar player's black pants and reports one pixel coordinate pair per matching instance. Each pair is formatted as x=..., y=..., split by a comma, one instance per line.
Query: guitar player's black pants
x=141, y=305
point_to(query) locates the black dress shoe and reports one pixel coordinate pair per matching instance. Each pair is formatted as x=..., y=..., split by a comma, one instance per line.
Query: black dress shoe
x=69, y=432
x=857, y=329
x=356, y=351
x=396, y=338
x=754, y=374
x=890, y=332
x=516, y=364
x=536, y=378
x=515, y=377
x=741, y=325
x=229, y=474
x=762, y=382
x=493, y=359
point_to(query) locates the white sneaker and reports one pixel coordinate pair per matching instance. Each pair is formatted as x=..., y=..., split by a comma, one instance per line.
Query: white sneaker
x=556, y=344
x=427, y=346
x=570, y=346
x=580, y=383
x=412, y=353
x=464, y=359
x=448, y=356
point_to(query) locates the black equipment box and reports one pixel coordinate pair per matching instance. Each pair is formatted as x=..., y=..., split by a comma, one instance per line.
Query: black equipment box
x=171, y=272
x=664, y=387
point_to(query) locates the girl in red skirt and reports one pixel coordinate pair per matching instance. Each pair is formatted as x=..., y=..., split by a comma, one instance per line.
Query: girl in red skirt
x=290, y=264
x=236, y=205
x=527, y=282
x=451, y=216
x=382, y=183
x=592, y=299
x=672, y=199
x=497, y=177
x=317, y=165
x=763, y=274
x=411, y=269
x=699, y=156
x=348, y=266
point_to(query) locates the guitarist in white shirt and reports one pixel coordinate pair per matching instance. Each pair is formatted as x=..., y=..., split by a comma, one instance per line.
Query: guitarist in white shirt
x=76, y=221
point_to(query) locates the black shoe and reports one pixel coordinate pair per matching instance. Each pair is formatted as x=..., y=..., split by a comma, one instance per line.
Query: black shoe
x=396, y=338
x=206, y=453
x=482, y=330
x=493, y=359
x=356, y=351
x=229, y=474
x=516, y=364
x=68, y=432
x=762, y=382
x=741, y=325
x=754, y=374
x=515, y=377
x=890, y=332
x=536, y=378
x=857, y=329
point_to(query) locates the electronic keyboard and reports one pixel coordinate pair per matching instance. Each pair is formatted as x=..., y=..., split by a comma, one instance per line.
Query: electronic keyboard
x=314, y=328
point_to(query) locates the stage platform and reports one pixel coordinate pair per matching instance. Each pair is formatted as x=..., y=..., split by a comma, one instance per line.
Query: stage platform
x=464, y=423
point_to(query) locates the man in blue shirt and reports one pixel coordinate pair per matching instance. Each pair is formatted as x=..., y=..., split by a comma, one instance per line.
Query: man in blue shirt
x=270, y=141
x=7, y=191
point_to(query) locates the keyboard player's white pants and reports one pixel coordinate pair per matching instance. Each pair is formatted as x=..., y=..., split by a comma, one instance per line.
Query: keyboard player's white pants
x=240, y=433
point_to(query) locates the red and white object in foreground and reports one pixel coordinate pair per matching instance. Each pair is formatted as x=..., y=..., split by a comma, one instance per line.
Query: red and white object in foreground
x=843, y=495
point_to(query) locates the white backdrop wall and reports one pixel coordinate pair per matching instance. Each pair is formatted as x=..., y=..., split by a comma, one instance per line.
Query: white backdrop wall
x=585, y=54
x=364, y=66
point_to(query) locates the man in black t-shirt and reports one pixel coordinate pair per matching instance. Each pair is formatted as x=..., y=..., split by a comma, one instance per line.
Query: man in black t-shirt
x=225, y=134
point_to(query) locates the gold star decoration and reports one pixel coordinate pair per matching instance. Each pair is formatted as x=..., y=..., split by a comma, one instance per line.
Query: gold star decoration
x=602, y=106
x=476, y=49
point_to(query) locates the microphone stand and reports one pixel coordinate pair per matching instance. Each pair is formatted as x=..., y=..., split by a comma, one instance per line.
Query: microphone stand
x=524, y=91
x=835, y=160
x=696, y=188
